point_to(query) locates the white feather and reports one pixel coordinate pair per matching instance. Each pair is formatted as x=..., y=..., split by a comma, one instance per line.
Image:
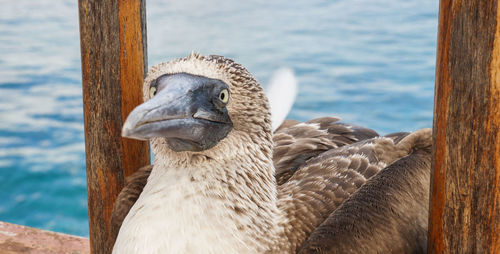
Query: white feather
x=281, y=92
x=173, y=216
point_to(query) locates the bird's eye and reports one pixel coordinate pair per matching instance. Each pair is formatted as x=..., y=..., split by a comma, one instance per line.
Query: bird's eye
x=224, y=96
x=152, y=91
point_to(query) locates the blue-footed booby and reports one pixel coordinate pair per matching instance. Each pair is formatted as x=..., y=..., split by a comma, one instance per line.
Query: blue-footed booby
x=223, y=182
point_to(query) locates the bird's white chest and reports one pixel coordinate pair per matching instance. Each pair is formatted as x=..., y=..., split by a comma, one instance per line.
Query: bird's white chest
x=173, y=216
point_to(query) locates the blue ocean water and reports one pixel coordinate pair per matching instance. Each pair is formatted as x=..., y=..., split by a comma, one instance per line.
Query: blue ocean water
x=370, y=62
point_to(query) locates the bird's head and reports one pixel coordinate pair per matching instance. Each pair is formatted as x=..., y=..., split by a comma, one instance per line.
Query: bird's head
x=197, y=104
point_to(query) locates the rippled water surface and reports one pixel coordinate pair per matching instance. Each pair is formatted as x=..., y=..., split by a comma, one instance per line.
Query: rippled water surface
x=369, y=62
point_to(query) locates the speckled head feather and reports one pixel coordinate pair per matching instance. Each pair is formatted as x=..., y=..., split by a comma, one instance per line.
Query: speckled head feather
x=248, y=107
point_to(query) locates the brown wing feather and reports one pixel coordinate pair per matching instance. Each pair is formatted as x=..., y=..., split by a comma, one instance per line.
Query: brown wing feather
x=324, y=182
x=126, y=199
x=295, y=142
x=386, y=215
x=319, y=186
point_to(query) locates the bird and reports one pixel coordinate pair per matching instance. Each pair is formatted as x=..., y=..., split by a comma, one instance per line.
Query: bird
x=222, y=181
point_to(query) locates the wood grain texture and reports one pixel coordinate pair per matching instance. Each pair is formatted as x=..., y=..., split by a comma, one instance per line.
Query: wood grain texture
x=113, y=66
x=133, y=67
x=465, y=184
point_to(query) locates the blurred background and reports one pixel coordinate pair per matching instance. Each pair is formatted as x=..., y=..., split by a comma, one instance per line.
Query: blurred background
x=370, y=62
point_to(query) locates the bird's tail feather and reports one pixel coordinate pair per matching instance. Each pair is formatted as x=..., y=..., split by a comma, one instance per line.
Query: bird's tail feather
x=281, y=92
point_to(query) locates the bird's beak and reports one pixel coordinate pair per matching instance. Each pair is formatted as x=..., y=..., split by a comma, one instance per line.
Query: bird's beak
x=185, y=111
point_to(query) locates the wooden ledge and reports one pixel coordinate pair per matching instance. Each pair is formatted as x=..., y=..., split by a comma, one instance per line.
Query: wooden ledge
x=22, y=239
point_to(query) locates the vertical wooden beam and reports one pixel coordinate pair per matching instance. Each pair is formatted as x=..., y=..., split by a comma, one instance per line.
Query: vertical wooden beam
x=113, y=49
x=465, y=185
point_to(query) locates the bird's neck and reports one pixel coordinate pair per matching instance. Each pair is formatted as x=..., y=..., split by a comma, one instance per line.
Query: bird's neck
x=230, y=204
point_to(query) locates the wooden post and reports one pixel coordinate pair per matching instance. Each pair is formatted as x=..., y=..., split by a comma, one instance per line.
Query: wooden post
x=114, y=60
x=465, y=184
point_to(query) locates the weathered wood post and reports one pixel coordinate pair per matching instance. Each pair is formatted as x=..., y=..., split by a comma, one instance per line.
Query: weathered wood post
x=114, y=62
x=465, y=184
